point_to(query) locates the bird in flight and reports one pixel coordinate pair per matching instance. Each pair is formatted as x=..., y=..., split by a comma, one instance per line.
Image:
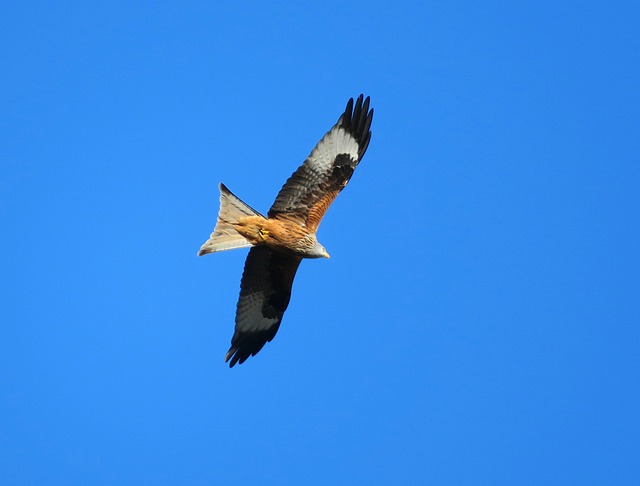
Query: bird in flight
x=287, y=234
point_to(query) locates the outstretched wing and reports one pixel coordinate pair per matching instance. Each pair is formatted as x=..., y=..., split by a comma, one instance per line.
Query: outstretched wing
x=309, y=192
x=265, y=292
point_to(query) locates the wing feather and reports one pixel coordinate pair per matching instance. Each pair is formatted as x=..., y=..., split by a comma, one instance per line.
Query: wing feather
x=312, y=188
x=265, y=291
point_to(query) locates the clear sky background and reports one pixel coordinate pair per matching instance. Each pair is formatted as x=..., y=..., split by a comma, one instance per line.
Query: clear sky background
x=478, y=321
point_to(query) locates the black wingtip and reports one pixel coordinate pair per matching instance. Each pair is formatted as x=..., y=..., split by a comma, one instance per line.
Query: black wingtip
x=348, y=109
x=228, y=356
x=357, y=119
x=238, y=355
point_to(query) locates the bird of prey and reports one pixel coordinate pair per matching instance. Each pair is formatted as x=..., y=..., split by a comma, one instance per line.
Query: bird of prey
x=287, y=234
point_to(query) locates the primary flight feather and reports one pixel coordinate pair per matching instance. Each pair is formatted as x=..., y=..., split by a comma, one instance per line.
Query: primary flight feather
x=287, y=234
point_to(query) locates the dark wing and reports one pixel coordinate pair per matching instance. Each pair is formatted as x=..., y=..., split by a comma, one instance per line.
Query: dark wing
x=309, y=192
x=265, y=292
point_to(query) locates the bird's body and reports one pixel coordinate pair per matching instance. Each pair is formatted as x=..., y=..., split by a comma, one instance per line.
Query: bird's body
x=287, y=234
x=279, y=234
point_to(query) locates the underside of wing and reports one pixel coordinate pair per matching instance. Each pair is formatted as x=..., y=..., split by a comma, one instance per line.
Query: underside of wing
x=311, y=189
x=265, y=292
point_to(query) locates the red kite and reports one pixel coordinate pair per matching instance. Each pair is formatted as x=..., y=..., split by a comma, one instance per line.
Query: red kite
x=281, y=240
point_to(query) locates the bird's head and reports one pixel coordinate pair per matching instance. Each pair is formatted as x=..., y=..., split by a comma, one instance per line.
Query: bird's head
x=317, y=250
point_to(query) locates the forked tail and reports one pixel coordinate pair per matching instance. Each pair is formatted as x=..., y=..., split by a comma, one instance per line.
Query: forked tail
x=225, y=236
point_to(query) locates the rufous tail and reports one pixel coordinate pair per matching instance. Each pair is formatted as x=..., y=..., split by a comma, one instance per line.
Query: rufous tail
x=224, y=236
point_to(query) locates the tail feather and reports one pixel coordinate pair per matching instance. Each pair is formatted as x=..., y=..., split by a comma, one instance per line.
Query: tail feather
x=224, y=236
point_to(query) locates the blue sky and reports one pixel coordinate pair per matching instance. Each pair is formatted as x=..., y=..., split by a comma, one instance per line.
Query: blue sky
x=477, y=322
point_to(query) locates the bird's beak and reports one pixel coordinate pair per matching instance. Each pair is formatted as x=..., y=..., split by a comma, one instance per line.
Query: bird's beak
x=326, y=255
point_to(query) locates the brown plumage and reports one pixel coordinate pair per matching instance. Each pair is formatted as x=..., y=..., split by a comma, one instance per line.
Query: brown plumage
x=281, y=240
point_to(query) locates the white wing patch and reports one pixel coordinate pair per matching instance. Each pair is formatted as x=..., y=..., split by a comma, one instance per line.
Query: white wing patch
x=337, y=141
